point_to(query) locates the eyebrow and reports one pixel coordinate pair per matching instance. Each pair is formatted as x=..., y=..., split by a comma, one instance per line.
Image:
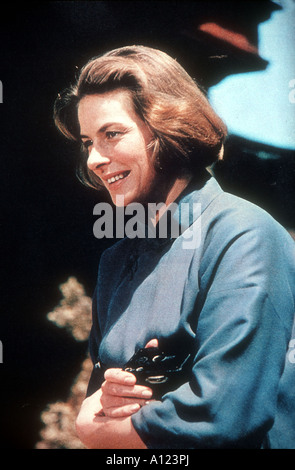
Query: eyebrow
x=103, y=128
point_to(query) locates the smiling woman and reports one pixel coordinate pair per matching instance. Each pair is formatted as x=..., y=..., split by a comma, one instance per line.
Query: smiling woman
x=185, y=134
x=210, y=310
x=117, y=142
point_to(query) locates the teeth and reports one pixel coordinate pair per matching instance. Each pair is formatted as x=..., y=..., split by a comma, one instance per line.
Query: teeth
x=116, y=178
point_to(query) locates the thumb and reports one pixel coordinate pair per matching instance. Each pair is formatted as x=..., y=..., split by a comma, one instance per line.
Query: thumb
x=153, y=343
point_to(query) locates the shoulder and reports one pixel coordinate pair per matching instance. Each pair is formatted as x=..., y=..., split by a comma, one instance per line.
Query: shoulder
x=221, y=210
x=231, y=216
x=243, y=245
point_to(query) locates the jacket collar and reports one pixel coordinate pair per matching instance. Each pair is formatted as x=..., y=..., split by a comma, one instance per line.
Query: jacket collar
x=183, y=212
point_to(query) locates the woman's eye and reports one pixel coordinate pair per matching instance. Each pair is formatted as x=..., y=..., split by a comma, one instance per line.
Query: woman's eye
x=112, y=134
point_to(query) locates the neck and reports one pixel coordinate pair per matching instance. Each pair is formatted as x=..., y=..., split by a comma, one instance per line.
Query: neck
x=176, y=189
x=172, y=194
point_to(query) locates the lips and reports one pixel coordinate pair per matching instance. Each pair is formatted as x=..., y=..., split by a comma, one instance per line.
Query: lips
x=111, y=179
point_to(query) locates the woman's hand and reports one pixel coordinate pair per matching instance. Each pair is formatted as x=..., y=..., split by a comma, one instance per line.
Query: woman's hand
x=98, y=431
x=120, y=395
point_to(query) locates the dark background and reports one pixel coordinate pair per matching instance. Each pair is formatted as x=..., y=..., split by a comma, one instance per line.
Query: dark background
x=46, y=214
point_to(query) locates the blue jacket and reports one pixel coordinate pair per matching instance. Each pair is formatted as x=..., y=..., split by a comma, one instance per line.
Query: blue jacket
x=229, y=300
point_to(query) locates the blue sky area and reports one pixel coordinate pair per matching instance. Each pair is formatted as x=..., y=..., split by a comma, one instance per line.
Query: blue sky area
x=257, y=105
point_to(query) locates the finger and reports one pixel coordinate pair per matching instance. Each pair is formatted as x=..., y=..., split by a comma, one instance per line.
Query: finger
x=153, y=343
x=119, y=376
x=109, y=402
x=116, y=389
x=123, y=411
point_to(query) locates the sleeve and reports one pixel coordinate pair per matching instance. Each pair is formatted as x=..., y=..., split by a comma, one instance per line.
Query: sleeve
x=94, y=337
x=240, y=343
x=96, y=377
x=107, y=279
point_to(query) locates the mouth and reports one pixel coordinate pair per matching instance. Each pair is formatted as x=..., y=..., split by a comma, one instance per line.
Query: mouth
x=118, y=177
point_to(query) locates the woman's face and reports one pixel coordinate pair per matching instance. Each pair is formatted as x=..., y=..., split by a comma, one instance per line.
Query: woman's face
x=117, y=143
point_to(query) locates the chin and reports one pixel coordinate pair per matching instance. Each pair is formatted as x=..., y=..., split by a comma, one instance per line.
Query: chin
x=121, y=200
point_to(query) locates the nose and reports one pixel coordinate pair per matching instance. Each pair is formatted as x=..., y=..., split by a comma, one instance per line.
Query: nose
x=96, y=160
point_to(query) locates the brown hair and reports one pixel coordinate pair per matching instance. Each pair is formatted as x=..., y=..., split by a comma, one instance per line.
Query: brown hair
x=188, y=135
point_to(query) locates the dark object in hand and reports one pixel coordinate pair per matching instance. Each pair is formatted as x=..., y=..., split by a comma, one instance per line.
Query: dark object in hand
x=162, y=373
